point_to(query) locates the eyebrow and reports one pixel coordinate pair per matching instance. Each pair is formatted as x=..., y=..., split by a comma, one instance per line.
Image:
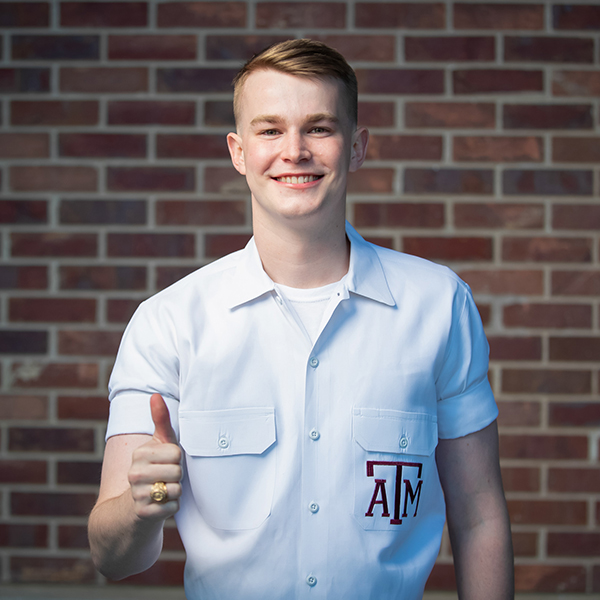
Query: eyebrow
x=274, y=119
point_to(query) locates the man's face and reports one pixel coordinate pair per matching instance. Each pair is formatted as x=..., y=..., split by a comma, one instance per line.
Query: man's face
x=295, y=143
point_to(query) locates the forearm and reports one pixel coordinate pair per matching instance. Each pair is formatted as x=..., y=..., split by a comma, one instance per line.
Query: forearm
x=121, y=543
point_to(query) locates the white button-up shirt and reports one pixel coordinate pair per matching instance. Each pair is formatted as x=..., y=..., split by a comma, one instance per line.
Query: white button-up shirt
x=309, y=469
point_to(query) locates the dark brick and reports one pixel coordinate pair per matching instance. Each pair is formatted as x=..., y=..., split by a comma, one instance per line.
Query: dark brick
x=576, y=83
x=376, y=114
x=574, y=414
x=88, y=342
x=550, y=49
x=55, y=47
x=65, y=113
x=24, y=80
x=150, y=179
x=151, y=245
x=28, y=439
x=400, y=81
x=548, y=116
x=546, y=512
x=286, y=15
x=480, y=15
x=548, y=316
x=93, y=277
x=54, y=244
x=521, y=479
x=32, y=569
x=195, y=80
x=23, y=342
x=405, y=214
x=152, y=47
x=580, y=349
x=405, y=15
x=574, y=480
x=78, y=408
x=524, y=543
x=453, y=248
x=23, y=277
x=450, y=114
x=505, y=281
x=101, y=80
x=449, y=48
x=448, y=181
x=58, y=310
x=371, y=180
x=103, y=14
x=21, y=14
x=547, y=182
x=151, y=112
x=550, y=578
x=576, y=283
x=102, y=145
x=72, y=536
x=190, y=145
x=220, y=244
x=166, y=276
x=546, y=381
x=56, y=178
x=498, y=149
x=574, y=17
x=227, y=181
x=520, y=414
x=105, y=212
x=24, y=145
x=120, y=310
x=23, y=212
x=515, y=348
x=573, y=544
x=23, y=536
x=201, y=212
x=404, y=147
x=239, y=47
x=55, y=375
x=355, y=48
x=218, y=113
x=543, y=447
x=576, y=149
x=23, y=471
x=202, y=14
x=546, y=249
x=16, y=407
x=576, y=216
x=81, y=473
x=497, y=81
x=499, y=216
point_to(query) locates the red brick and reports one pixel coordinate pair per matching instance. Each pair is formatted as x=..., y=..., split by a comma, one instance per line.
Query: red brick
x=56, y=178
x=524, y=543
x=573, y=544
x=22, y=439
x=576, y=283
x=13, y=341
x=546, y=249
x=546, y=381
x=384, y=242
x=576, y=83
x=55, y=375
x=576, y=150
x=23, y=407
x=497, y=81
x=151, y=245
x=100, y=80
x=103, y=14
x=515, y=348
x=499, y=216
x=152, y=47
x=92, y=277
x=504, y=281
x=24, y=80
x=32, y=569
x=189, y=145
x=371, y=180
x=51, y=504
x=151, y=179
x=498, y=149
x=239, y=47
x=166, y=276
x=151, y=112
x=580, y=349
x=23, y=278
x=88, y=342
x=120, y=310
x=64, y=113
x=582, y=16
x=399, y=214
x=482, y=15
x=201, y=212
x=449, y=48
x=543, y=447
x=521, y=479
x=83, y=408
x=19, y=14
x=442, y=577
x=450, y=114
x=550, y=578
x=573, y=480
x=108, y=212
x=405, y=15
x=218, y=113
x=226, y=180
x=577, y=414
x=23, y=536
x=171, y=539
x=548, y=315
x=57, y=310
x=78, y=473
x=72, y=536
x=195, y=80
x=23, y=212
x=102, y=145
x=220, y=244
x=400, y=81
x=548, y=182
x=54, y=244
x=24, y=145
x=376, y=114
x=548, y=116
x=55, y=47
x=202, y=14
x=287, y=15
x=404, y=147
x=354, y=47
x=550, y=49
x=448, y=181
x=453, y=248
x=163, y=572
x=23, y=471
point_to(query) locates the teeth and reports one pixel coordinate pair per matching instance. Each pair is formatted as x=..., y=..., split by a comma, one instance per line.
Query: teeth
x=301, y=179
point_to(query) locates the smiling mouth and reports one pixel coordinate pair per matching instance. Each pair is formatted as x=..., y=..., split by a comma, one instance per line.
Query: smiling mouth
x=298, y=179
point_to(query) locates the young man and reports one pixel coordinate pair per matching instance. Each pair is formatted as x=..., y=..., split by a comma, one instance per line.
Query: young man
x=303, y=406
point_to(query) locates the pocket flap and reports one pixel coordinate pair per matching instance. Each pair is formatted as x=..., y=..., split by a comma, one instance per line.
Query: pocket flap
x=397, y=431
x=227, y=432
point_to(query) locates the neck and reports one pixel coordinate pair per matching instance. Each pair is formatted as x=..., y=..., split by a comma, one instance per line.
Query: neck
x=303, y=257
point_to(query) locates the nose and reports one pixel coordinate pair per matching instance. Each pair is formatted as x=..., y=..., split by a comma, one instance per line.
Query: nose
x=295, y=148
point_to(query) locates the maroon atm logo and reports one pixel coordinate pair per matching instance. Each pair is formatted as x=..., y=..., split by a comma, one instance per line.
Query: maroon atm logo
x=405, y=484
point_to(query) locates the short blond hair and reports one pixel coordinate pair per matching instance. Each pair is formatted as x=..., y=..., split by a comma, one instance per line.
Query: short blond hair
x=302, y=58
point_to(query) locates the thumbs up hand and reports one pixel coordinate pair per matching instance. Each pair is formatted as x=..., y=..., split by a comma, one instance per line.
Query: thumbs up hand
x=159, y=460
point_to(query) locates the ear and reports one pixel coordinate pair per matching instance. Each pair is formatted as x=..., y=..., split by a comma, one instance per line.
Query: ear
x=360, y=141
x=234, y=143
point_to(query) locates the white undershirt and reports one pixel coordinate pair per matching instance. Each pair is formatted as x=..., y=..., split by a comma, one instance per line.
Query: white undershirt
x=309, y=304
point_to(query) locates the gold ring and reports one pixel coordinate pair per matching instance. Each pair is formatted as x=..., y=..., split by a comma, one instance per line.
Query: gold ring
x=158, y=493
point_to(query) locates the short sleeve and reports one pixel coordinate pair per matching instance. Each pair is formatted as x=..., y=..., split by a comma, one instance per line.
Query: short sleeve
x=465, y=399
x=147, y=363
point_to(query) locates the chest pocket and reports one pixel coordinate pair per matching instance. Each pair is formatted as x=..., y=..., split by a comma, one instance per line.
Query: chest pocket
x=394, y=466
x=231, y=464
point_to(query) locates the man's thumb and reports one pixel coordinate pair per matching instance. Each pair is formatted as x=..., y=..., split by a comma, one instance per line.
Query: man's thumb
x=163, y=431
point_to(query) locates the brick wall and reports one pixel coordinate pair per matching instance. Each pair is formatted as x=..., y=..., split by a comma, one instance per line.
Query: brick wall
x=115, y=182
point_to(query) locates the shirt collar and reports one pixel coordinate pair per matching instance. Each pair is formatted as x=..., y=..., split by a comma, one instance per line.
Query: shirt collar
x=365, y=275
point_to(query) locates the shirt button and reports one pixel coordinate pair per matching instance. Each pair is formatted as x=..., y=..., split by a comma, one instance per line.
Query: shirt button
x=403, y=442
x=313, y=507
x=223, y=442
x=314, y=362
x=311, y=580
x=314, y=434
